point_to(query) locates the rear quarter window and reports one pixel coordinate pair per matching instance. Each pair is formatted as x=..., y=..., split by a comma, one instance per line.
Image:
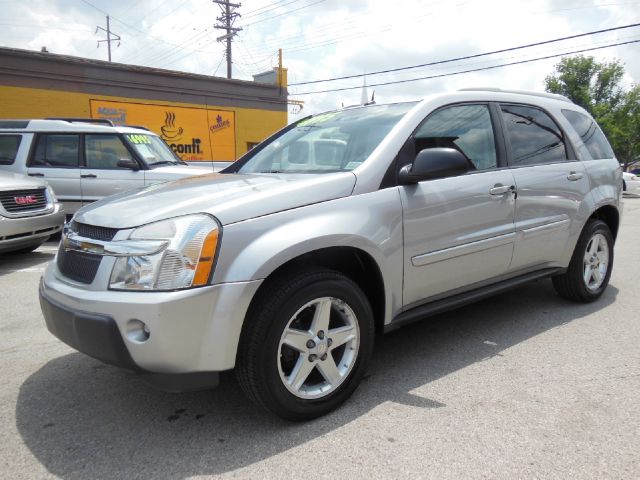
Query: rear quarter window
x=9, y=148
x=591, y=135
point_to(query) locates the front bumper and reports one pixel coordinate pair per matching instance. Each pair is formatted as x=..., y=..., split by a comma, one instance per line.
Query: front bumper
x=17, y=233
x=190, y=331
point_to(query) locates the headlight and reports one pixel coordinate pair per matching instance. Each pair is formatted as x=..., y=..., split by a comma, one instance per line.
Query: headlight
x=186, y=261
x=52, y=195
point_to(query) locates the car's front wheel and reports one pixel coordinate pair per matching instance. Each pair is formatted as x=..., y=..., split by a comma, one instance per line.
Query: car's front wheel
x=306, y=344
x=590, y=267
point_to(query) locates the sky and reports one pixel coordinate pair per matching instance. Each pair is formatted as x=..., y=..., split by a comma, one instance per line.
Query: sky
x=324, y=39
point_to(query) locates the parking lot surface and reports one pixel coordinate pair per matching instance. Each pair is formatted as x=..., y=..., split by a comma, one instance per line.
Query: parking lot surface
x=522, y=385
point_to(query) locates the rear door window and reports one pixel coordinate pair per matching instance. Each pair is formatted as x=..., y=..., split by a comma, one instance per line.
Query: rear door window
x=9, y=148
x=591, y=135
x=535, y=138
x=56, y=151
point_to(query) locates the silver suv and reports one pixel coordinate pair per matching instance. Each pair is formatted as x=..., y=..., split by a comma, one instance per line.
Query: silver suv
x=29, y=213
x=284, y=266
x=87, y=159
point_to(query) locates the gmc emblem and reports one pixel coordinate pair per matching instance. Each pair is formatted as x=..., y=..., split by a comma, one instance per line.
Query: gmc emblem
x=26, y=200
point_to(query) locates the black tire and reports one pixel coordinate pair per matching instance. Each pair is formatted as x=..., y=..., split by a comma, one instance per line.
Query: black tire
x=572, y=284
x=261, y=357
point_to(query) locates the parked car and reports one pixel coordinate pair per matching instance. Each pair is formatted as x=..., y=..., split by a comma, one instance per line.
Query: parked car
x=344, y=224
x=29, y=213
x=631, y=184
x=85, y=160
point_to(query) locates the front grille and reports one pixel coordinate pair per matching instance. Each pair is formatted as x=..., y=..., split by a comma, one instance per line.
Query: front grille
x=91, y=231
x=79, y=266
x=23, y=201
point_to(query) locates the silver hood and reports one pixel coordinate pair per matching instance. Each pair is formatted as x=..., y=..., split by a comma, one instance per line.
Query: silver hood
x=174, y=172
x=16, y=181
x=229, y=197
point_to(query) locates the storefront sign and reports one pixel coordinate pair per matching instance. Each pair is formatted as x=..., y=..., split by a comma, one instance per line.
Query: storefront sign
x=193, y=133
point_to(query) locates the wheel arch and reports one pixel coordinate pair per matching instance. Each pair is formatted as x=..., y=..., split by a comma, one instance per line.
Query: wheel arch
x=354, y=263
x=609, y=215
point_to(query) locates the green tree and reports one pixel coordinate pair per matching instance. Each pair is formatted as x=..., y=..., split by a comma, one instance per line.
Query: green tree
x=596, y=87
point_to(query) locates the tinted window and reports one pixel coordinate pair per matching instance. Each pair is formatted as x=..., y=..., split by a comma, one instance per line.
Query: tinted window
x=53, y=150
x=8, y=148
x=535, y=138
x=328, y=142
x=104, y=151
x=467, y=128
x=591, y=135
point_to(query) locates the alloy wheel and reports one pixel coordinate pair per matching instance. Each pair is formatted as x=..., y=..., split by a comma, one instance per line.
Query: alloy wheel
x=318, y=348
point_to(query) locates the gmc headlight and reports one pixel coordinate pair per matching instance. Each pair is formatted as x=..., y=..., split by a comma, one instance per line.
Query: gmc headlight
x=186, y=261
x=52, y=196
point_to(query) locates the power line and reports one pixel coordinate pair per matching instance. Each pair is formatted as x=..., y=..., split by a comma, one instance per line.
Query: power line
x=130, y=27
x=284, y=13
x=467, y=57
x=164, y=56
x=142, y=48
x=216, y=70
x=394, y=82
x=349, y=25
x=31, y=26
x=268, y=8
x=200, y=37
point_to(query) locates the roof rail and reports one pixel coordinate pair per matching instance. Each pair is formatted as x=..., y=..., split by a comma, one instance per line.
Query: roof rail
x=135, y=126
x=555, y=96
x=104, y=121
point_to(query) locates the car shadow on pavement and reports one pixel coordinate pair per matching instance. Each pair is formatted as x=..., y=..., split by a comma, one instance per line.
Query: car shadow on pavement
x=12, y=262
x=82, y=419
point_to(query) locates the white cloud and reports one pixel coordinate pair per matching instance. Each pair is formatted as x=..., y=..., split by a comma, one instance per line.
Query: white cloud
x=330, y=38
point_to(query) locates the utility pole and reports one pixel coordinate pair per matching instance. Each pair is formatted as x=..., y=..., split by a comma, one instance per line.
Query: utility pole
x=225, y=22
x=109, y=35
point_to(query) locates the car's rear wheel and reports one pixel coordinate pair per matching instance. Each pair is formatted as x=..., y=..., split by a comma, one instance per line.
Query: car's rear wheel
x=306, y=344
x=590, y=268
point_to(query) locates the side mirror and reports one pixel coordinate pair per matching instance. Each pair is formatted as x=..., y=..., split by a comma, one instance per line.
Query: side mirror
x=432, y=163
x=128, y=163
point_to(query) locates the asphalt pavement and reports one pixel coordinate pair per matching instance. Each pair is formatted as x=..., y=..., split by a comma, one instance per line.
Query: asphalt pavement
x=522, y=385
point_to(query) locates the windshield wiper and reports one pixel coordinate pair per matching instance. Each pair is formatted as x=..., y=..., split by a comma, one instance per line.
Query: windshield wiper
x=163, y=162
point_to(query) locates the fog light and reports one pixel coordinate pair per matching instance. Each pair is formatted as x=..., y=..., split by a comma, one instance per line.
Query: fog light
x=137, y=331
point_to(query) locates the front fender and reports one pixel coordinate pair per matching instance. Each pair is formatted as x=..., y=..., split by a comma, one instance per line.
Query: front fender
x=372, y=222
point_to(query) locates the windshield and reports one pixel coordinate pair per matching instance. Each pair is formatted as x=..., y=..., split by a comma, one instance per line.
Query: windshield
x=152, y=149
x=330, y=142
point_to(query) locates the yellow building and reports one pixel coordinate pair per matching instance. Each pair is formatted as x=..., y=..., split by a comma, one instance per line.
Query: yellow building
x=202, y=118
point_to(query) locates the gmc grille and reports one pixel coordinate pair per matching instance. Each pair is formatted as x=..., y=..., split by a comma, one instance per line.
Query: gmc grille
x=23, y=201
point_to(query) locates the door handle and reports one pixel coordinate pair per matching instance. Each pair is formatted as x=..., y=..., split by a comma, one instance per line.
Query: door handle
x=88, y=175
x=36, y=174
x=573, y=176
x=502, y=189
